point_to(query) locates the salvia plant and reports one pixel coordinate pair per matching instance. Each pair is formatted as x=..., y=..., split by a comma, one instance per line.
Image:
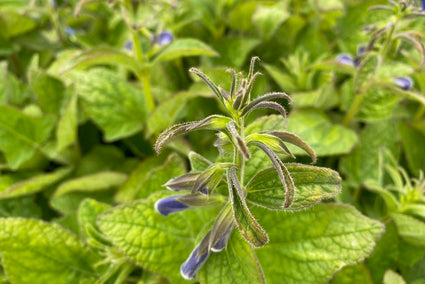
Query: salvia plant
x=199, y=188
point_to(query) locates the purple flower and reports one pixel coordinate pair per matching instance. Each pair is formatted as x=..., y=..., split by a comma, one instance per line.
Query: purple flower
x=128, y=45
x=163, y=38
x=345, y=59
x=192, y=265
x=423, y=5
x=404, y=83
x=70, y=31
x=168, y=205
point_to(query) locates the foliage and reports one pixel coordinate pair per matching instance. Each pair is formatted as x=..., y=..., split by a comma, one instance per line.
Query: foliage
x=90, y=89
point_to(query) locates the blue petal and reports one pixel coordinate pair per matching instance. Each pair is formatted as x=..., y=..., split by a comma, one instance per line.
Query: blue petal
x=165, y=38
x=345, y=59
x=128, y=45
x=192, y=265
x=169, y=205
x=223, y=242
x=70, y=31
x=404, y=83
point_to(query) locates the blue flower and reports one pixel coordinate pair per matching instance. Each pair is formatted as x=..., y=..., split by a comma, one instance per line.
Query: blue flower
x=70, y=31
x=194, y=262
x=164, y=38
x=404, y=83
x=423, y=5
x=128, y=45
x=168, y=205
x=345, y=59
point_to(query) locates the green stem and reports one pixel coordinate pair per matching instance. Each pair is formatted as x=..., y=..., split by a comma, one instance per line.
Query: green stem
x=388, y=41
x=419, y=113
x=353, y=109
x=238, y=158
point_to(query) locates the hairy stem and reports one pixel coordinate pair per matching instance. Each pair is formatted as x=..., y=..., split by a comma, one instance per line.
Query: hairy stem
x=353, y=110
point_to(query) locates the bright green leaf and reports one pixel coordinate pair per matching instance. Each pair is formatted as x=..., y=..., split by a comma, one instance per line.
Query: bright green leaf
x=410, y=229
x=21, y=135
x=66, y=131
x=352, y=274
x=88, y=211
x=366, y=72
x=185, y=47
x=392, y=277
x=37, y=252
x=49, y=90
x=233, y=50
x=12, y=24
x=237, y=263
x=413, y=145
x=312, y=184
x=309, y=246
x=267, y=19
x=117, y=107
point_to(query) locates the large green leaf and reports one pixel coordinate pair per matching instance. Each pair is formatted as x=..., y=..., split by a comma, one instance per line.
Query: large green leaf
x=233, y=50
x=37, y=252
x=12, y=24
x=117, y=107
x=21, y=135
x=352, y=274
x=30, y=185
x=237, y=263
x=87, y=213
x=267, y=19
x=312, y=184
x=363, y=163
x=410, y=229
x=157, y=243
x=309, y=246
x=185, y=47
x=50, y=91
x=413, y=145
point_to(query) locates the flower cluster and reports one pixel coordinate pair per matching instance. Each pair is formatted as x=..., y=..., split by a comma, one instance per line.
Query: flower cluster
x=200, y=186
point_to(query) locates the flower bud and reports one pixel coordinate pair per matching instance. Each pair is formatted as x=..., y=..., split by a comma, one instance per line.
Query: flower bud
x=345, y=59
x=404, y=83
x=163, y=38
x=192, y=265
x=168, y=205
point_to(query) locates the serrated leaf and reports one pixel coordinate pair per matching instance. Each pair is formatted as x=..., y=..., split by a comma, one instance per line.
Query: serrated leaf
x=236, y=264
x=49, y=90
x=66, y=130
x=165, y=114
x=21, y=135
x=267, y=19
x=117, y=107
x=410, y=229
x=185, y=47
x=312, y=184
x=309, y=246
x=37, y=252
x=34, y=184
x=157, y=243
x=93, y=182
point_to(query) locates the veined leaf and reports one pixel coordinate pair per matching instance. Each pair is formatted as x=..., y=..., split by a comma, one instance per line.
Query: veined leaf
x=184, y=47
x=21, y=135
x=37, y=252
x=309, y=246
x=366, y=72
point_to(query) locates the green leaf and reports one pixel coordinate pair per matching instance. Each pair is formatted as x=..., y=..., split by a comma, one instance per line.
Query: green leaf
x=314, y=127
x=12, y=24
x=392, y=277
x=309, y=246
x=184, y=47
x=49, y=90
x=37, y=252
x=66, y=131
x=92, y=182
x=20, y=207
x=165, y=114
x=88, y=211
x=233, y=50
x=377, y=104
x=366, y=72
x=267, y=19
x=21, y=135
x=70, y=202
x=101, y=56
x=413, y=141
x=410, y=229
x=157, y=243
x=198, y=163
x=285, y=81
x=352, y=274
x=237, y=263
x=33, y=184
x=117, y=107
x=150, y=176
x=312, y=184
x=363, y=163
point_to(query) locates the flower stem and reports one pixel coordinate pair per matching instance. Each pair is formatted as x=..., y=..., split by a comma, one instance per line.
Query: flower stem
x=353, y=109
x=238, y=158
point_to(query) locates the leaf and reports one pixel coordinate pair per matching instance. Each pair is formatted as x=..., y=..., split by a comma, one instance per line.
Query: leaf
x=12, y=24
x=49, y=90
x=237, y=263
x=87, y=213
x=312, y=184
x=352, y=274
x=34, y=184
x=165, y=114
x=66, y=131
x=267, y=19
x=157, y=243
x=117, y=107
x=92, y=182
x=198, y=163
x=20, y=207
x=410, y=229
x=184, y=47
x=309, y=246
x=366, y=72
x=377, y=104
x=392, y=277
x=101, y=56
x=363, y=162
x=21, y=135
x=233, y=50
x=413, y=141
x=37, y=252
